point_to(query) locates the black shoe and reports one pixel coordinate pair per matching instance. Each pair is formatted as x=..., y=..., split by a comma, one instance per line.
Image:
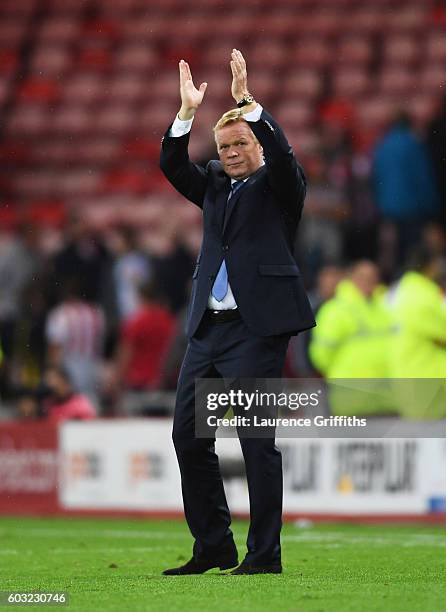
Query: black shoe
x=247, y=568
x=199, y=566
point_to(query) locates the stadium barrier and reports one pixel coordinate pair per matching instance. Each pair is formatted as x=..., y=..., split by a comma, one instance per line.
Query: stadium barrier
x=128, y=467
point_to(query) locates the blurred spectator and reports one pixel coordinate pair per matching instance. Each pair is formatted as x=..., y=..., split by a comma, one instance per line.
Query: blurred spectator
x=419, y=351
x=436, y=141
x=320, y=236
x=84, y=257
x=361, y=225
x=64, y=402
x=173, y=266
x=144, y=340
x=404, y=188
x=19, y=261
x=326, y=283
x=131, y=269
x=434, y=239
x=175, y=354
x=56, y=401
x=28, y=406
x=30, y=350
x=75, y=334
x=354, y=328
x=172, y=260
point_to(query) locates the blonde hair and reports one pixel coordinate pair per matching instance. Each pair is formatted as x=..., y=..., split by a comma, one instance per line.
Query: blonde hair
x=231, y=116
x=234, y=115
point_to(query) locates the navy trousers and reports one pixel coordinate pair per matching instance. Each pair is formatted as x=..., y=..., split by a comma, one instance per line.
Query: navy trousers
x=228, y=350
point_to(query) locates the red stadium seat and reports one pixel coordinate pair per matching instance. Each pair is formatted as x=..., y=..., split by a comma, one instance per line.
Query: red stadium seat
x=38, y=184
x=433, y=79
x=142, y=147
x=12, y=32
x=408, y=18
x=59, y=29
x=83, y=87
x=125, y=87
x=114, y=119
x=357, y=50
x=350, y=82
x=374, y=110
x=9, y=216
x=303, y=84
x=32, y=120
x=128, y=180
x=89, y=87
x=19, y=8
x=311, y=52
x=9, y=61
x=436, y=47
x=421, y=107
x=37, y=89
x=295, y=114
x=137, y=57
x=364, y=20
x=156, y=119
x=46, y=213
x=323, y=21
x=281, y=23
x=72, y=120
x=401, y=49
x=266, y=55
x=52, y=60
x=94, y=59
x=397, y=80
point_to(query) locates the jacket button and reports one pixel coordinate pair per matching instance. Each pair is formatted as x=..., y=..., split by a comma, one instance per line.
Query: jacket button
x=225, y=247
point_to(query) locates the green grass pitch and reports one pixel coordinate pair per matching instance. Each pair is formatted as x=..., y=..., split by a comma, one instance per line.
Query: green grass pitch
x=116, y=565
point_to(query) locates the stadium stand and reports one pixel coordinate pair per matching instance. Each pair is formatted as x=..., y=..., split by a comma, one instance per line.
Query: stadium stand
x=87, y=88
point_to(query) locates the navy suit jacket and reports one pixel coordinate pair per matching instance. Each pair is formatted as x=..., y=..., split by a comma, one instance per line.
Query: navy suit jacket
x=255, y=237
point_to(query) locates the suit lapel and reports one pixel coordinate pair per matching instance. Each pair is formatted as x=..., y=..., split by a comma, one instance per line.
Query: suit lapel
x=220, y=200
x=231, y=205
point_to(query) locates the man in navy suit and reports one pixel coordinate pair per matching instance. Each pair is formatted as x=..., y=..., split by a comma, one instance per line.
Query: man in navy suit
x=247, y=300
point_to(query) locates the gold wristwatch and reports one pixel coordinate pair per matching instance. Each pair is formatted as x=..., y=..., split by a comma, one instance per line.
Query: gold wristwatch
x=247, y=99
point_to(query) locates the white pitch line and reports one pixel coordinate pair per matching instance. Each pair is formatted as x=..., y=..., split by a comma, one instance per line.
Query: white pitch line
x=391, y=540
x=307, y=536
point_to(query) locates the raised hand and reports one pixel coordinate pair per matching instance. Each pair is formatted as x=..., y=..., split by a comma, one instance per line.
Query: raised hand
x=191, y=97
x=239, y=85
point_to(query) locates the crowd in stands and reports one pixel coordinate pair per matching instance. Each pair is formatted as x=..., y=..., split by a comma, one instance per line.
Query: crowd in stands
x=106, y=312
x=97, y=252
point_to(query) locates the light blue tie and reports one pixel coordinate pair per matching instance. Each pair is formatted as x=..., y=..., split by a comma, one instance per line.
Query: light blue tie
x=220, y=286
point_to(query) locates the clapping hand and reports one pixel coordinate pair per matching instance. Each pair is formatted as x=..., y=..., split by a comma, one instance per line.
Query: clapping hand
x=191, y=97
x=239, y=87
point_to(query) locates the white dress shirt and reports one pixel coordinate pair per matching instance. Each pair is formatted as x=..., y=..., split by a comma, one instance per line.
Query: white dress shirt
x=180, y=128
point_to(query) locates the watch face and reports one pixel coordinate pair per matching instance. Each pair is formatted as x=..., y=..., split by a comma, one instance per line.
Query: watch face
x=245, y=100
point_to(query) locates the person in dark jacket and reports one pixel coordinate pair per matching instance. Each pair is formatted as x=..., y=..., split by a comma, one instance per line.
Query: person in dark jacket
x=404, y=185
x=247, y=300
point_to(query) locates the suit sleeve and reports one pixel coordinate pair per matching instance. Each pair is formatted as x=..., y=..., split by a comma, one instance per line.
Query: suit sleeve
x=285, y=175
x=188, y=178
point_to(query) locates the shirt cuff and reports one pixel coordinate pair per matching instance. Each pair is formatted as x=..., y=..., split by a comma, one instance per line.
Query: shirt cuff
x=255, y=114
x=180, y=127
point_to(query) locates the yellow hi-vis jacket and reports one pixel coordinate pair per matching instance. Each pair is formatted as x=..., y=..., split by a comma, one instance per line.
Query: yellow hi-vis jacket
x=353, y=335
x=419, y=350
x=352, y=341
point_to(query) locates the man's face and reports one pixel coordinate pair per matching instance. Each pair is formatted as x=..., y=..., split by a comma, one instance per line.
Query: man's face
x=240, y=153
x=365, y=276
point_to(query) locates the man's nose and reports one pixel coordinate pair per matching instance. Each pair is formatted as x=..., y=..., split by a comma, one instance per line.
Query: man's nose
x=232, y=152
